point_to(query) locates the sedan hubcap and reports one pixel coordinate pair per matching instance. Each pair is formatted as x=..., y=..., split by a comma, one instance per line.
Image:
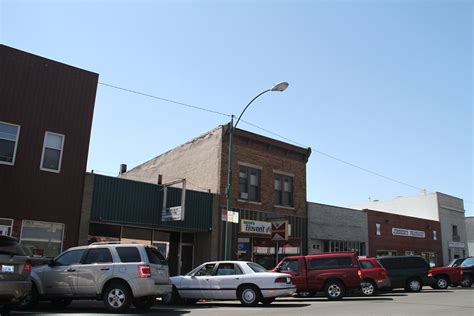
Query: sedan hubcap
x=249, y=296
x=334, y=290
x=116, y=298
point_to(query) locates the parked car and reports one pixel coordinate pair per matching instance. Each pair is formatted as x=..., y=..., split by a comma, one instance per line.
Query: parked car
x=408, y=272
x=374, y=276
x=467, y=266
x=15, y=268
x=333, y=273
x=118, y=274
x=246, y=281
x=446, y=276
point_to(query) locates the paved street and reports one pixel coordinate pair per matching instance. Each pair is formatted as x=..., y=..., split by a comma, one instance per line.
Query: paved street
x=454, y=301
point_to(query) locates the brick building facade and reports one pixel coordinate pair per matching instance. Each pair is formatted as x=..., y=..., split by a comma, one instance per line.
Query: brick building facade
x=268, y=185
x=398, y=235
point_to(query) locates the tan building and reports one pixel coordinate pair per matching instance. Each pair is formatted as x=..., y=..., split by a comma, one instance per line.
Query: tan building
x=268, y=185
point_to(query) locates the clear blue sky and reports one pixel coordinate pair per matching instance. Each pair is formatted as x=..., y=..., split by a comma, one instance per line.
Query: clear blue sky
x=386, y=85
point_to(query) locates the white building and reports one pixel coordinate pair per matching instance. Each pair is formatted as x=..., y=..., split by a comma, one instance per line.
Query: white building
x=446, y=209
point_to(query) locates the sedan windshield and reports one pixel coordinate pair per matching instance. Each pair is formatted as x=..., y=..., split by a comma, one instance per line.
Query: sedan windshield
x=256, y=267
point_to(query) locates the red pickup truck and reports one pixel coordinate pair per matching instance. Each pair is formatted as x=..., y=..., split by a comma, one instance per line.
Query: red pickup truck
x=331, y=273
x=446, y=276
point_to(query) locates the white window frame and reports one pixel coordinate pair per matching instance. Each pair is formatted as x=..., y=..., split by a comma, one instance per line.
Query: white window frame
x=11, y=224
x=60, y=155
x=16, y=144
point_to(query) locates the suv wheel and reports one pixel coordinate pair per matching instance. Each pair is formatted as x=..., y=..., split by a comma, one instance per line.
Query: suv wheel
x=441, y=283
x=334, y=290
x=414, y=285
x=369, y=288
x=249, y=295
x=467, y=281
x=117, y=297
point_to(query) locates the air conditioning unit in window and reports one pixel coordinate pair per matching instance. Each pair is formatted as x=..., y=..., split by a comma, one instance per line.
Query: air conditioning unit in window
x=244, y=195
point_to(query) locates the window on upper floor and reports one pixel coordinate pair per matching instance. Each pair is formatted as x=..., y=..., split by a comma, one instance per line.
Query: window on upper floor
x=249, y=184
x=455, y=233
x=9, y=134
x=52, y=152
x=283, y=195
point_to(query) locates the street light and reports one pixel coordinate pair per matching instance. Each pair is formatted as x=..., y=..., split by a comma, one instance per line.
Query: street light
x=281, y=86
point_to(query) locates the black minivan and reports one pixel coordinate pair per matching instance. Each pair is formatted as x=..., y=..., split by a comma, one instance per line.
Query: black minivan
x=409, y=272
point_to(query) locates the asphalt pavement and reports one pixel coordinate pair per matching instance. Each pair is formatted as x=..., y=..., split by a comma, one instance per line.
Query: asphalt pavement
x=453, y=301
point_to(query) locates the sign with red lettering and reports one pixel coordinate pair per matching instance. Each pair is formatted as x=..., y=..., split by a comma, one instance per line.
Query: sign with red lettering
x=280, y=230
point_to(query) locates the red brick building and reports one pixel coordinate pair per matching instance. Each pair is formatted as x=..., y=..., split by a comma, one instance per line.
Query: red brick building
x=268, y=185
x=46, y=110
x=398, y=235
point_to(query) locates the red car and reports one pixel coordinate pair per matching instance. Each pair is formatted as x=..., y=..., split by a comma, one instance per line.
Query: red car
x=332, y=273
x=374, y=276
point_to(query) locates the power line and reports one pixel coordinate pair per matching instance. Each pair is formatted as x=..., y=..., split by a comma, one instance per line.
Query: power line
x=266, y=130
x=335, y=158
x=164, y=99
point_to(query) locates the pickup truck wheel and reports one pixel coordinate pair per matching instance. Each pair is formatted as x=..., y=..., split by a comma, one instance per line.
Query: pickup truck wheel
x=441, y=283
x=467, y=281
x=144, y=303
x=369, y=288
x=117, y=297
x=413, y=285
x=61, y=302
x=249, y=295
x=334, y=290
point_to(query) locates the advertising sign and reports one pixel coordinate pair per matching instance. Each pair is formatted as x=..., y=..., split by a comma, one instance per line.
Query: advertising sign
x=255, y=227
x=408, y=232
x=172, y=214
x=280, y=230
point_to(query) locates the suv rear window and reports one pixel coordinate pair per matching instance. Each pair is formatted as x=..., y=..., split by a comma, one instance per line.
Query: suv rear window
x=9, y=246
x=331, y=262
x=129, y=254
x=366, y=264
x=154, y=256
x=98, y=255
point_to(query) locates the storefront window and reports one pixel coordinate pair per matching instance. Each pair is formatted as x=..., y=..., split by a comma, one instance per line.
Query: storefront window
x=42, y=238
x=6, y=225
x=430, y=257
x=338, y=246
x=386, y=253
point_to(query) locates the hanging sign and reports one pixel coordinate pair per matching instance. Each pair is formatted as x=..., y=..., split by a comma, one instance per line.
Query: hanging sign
x=255, y=227
x=280, y=230
x=172, y=214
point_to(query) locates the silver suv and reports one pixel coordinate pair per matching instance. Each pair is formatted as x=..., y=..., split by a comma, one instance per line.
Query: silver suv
x=118, y=274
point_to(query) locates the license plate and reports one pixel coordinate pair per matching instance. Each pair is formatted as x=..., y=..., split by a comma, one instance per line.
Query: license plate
x=8, y=269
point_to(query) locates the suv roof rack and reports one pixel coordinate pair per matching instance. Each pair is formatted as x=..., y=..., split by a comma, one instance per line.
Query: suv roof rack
x=105, y=243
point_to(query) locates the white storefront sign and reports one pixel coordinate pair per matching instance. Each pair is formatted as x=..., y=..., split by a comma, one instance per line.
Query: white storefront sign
x=408, y=232
x=456, y=244
x=172, y=214
x=255, y=227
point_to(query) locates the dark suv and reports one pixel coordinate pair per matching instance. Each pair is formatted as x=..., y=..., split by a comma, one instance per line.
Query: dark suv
x=331, y=273
x=409, y=272
x=15, y=268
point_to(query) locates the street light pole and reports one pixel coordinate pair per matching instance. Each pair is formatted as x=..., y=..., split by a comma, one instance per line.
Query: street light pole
x=228, y=227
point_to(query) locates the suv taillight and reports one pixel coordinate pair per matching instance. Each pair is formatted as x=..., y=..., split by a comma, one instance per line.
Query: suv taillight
x=27, y=266
x=430, y=273
x=359, y=273
x=144, y=271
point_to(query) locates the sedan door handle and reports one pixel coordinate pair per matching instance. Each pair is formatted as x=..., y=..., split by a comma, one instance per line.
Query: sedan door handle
x=105, y=269
x=71, y=270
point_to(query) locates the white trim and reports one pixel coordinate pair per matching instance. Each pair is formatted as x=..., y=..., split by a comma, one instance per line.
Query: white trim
x=246, y=164
x=284, y=173
x=16, y=144
x=285, y=207
x=60, y=155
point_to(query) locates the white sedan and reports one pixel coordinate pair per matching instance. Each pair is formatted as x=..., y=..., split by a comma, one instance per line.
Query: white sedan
x=229, y=280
